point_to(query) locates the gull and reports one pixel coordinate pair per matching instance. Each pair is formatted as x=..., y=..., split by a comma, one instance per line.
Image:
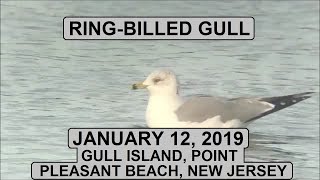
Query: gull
x=167, y=109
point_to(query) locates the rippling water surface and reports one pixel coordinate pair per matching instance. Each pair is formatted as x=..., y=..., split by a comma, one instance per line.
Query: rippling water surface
x=49, y=85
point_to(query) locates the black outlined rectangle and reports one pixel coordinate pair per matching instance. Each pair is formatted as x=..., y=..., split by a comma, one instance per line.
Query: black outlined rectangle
x=160, y=129
x=67, y=36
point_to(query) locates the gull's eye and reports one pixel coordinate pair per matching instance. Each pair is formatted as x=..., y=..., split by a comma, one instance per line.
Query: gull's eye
x=156, y=80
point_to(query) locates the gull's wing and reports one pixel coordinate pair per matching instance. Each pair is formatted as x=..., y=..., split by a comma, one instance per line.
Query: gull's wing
x=201, y=108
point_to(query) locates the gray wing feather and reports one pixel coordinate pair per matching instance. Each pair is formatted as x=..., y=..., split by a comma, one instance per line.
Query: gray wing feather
x=199, y=109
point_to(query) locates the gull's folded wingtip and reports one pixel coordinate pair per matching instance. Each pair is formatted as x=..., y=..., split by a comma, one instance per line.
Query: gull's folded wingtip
x=281, y=102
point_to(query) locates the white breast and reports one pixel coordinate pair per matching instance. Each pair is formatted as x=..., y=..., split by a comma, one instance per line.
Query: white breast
x=161, y=111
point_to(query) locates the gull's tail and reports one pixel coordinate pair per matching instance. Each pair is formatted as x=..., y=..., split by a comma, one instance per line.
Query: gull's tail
x=281, y=102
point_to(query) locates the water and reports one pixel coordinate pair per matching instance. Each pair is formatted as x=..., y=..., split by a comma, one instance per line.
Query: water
x=49, y=85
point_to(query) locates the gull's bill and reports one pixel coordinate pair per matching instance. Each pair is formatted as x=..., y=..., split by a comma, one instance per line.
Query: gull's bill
x=139, y=85
x=166, y=109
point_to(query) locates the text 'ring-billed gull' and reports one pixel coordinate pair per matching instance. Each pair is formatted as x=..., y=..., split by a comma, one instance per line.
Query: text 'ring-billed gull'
x=166, y=109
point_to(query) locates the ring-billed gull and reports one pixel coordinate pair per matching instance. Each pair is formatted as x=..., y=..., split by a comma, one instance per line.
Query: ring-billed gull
x=167, y=109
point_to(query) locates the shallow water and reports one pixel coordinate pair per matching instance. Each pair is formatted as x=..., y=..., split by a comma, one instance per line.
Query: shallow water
x=49, y=85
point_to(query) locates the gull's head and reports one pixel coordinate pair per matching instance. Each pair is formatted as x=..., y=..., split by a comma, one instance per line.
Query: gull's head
x=160, y=82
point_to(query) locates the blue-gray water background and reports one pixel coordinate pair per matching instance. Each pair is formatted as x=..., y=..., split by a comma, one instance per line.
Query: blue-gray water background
x=49, y=84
